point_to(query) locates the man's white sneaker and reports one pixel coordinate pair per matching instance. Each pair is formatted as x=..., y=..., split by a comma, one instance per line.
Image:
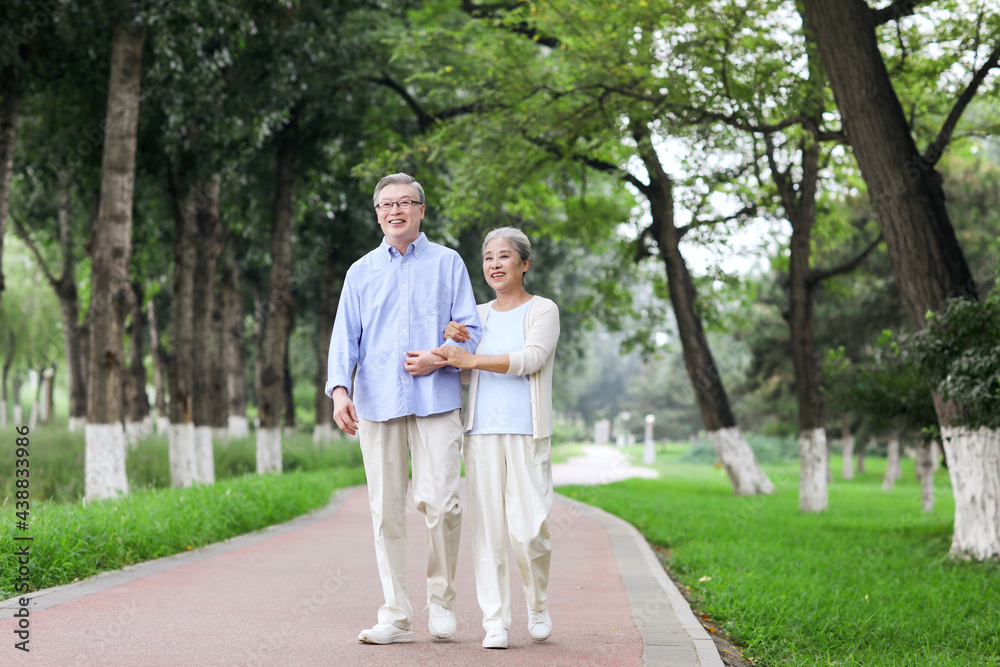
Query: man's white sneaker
x=539, y=625
x=441, y=623
x=385, y=633
x=495, y=638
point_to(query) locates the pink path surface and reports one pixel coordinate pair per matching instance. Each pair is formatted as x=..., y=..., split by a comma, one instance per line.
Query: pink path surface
x=302, y=596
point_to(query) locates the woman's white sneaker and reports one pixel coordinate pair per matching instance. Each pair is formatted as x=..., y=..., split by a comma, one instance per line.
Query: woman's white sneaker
x=539, y=624
x=495, y=638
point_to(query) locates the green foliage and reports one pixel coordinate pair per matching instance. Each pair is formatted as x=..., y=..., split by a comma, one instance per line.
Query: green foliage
x=887, y=390
x=76, y=541
x=959, y=356
x=867, y=582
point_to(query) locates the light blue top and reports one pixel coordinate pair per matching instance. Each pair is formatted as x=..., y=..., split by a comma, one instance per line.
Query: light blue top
x=503, y=402
x=392, y=304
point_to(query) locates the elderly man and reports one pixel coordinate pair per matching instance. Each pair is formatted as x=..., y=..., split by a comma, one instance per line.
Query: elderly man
x=394, y=307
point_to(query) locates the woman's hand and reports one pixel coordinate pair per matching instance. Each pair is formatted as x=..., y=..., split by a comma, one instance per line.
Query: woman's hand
x=457, y=332
x=454, y=356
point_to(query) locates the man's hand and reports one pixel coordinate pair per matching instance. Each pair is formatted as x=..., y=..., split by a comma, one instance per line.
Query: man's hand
x=423, y=362
x=343, y=411
x=453, y=356
x=457, y=332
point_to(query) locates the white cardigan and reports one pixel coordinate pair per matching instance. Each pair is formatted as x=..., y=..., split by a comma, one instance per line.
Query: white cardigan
x=536, y=359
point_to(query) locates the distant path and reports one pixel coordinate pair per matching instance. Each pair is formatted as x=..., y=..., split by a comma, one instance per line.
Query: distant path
x=600, y=464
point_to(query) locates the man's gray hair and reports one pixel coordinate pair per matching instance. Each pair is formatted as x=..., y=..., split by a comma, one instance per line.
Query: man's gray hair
x=516, y=237
x=405, y=179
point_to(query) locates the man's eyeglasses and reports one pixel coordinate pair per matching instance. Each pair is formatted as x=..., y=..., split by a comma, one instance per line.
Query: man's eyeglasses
x=402, y=203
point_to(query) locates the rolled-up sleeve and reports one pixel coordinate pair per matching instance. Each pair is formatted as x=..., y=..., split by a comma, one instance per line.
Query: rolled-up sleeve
x=345, y=339
x=539, y=342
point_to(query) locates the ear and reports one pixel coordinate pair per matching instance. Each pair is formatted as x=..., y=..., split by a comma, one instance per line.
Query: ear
x=527, y=264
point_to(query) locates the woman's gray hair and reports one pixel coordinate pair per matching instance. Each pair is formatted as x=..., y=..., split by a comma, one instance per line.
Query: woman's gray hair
x=516, y=237
x=405, y=179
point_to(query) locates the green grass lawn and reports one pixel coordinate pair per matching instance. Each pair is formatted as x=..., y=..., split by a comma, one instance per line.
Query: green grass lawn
x=867, y=582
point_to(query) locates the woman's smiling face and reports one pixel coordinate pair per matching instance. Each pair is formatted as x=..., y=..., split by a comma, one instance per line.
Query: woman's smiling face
x=502, y=265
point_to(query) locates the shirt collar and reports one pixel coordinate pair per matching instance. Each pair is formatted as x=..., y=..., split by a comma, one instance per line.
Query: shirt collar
x=417, y=247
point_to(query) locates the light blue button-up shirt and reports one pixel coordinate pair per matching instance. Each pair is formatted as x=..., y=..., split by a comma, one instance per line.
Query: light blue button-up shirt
x=391, y=304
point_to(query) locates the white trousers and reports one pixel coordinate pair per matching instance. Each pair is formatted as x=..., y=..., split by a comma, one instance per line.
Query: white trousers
x=434, y=445
x=509, y=476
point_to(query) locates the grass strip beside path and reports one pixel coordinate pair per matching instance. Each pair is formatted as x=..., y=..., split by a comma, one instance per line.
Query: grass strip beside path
x=868, y=582
x=75, y=541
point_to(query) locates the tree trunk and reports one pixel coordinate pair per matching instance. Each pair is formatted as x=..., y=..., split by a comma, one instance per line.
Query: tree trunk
x=234, y=365
x=217, y=397
x=181, y=436
x=287, y=390
x=203, y=296
x=278, y=309
x=925, y=473
x=10, y=108
x=862, y=452
x=908, y=198
x=159, y=362
x=111, y=293
x=745, y=473
x=847, y=440
x=800, y=210
x=74, y=335
x=324, y=431
x=7, y=362
x=138, y=424
x=18, y=416
x=49, y=377
x=891, y=463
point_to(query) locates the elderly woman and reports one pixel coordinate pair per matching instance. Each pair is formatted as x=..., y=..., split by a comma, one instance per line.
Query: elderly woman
x=508, y=427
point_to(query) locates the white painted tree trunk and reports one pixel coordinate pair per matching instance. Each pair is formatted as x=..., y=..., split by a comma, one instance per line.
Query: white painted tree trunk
x=33, y=416
x=204, y=457
x=745, y=473
x=76, y=424
x=925, y=473
x=239, y=426
x=847, y=470
x=897, y=467
x=163, y=425
x=180, y=448
x=935, y=456
x=18, y=416
x=813, y=468
x=104, y=462
x=324, y=433
x=974, y=467
x=891, y=465
x=268, y=450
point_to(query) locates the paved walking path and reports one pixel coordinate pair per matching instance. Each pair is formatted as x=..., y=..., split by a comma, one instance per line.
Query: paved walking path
x=299, y=594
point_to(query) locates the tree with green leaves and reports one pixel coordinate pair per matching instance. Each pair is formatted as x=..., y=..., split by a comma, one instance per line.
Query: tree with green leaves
x=561, y=88
x=907, y=197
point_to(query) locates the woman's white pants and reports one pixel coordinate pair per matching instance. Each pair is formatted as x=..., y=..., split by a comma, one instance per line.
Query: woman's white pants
x=509, y=476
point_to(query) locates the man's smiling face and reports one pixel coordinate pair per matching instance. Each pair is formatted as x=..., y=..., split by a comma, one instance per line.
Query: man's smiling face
x=400, y=226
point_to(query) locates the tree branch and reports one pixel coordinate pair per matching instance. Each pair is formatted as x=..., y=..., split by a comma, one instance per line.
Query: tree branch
x=593, y=163
x=894, y=11
x=745, y=212
x=22, y=232
x=425, y=119
x=936, y=149
x=819, y=275
x=496, y=11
